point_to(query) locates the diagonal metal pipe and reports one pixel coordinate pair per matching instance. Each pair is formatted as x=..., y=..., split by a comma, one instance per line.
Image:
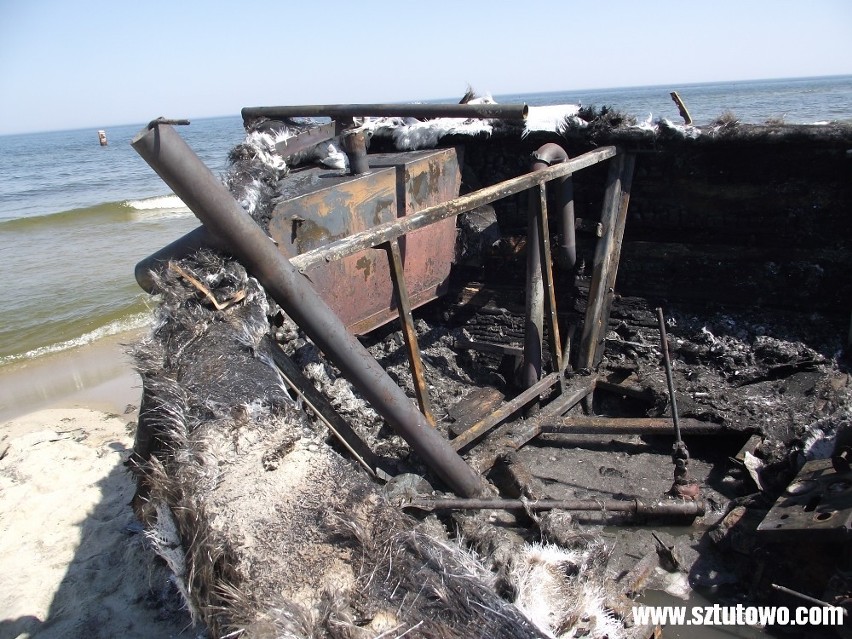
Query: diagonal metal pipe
x=180, y=168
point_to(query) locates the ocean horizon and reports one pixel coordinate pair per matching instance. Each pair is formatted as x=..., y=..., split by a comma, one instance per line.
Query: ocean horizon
x=534, y=98
x=76, y=217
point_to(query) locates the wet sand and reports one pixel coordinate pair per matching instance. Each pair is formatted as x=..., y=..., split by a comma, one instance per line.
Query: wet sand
x=99, y=376
x=75, y=560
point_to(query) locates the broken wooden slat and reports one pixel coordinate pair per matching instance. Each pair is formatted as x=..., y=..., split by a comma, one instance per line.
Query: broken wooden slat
x=505, y=411
x=588, y=425
x=549, y=287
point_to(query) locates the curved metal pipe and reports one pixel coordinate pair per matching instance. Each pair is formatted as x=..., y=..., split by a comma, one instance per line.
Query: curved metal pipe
x=548, y=155
x=544, y=157
x=182, y=247
x=179, y=167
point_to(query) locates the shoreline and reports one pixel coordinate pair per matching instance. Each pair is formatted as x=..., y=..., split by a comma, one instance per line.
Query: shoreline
x=66, y=430
x=99, y=376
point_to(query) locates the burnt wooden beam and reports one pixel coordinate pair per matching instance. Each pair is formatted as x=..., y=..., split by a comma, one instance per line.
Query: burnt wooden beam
x=503, y=413
x=589, y=425
x=607, y=255
x=514, y=435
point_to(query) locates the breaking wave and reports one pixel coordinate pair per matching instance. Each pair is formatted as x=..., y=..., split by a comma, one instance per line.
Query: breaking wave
x=158, y=207
x=155, y=208
x=125, y=324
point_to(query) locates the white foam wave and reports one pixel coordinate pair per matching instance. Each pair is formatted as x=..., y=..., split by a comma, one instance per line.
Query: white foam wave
x=157, y=202
x=158, y=207
x=125, y=324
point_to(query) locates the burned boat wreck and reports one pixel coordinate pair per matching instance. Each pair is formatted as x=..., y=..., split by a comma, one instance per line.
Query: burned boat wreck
x=398, y=393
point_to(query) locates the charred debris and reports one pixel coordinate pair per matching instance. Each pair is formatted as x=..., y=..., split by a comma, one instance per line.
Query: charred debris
x=433, y=371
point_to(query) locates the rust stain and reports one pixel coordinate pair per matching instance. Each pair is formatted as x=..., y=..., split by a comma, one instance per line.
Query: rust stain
x=365, y=264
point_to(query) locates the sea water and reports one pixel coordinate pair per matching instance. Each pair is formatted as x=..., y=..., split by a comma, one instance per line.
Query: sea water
x=75, y=217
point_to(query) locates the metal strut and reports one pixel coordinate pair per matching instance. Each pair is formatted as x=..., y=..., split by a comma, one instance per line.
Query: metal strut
x=684, y=485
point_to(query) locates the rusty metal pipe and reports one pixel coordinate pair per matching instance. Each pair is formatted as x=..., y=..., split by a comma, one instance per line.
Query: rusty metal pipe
x=180, y=168
x=355, y=145
x=583, y=425
x=633, y=506
x=566, y=255
x=348, y=111
x=182, y=247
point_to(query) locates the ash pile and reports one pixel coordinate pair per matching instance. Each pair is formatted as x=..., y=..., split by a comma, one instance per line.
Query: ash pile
x=363, y=417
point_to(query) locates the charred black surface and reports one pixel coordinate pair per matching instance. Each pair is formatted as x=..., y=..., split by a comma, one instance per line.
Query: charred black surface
x=741, y=234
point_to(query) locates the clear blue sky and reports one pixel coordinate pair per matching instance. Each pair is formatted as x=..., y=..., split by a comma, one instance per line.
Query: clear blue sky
x=69, y=64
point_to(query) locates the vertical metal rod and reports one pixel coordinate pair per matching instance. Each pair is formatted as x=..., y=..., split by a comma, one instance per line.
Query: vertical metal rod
x=664, y=340
x=180, y=168
x=409, y=334
x=549, y=289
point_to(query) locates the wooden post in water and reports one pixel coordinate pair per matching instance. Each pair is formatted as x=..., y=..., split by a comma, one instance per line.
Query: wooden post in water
x=684, y=112
x=102, y=137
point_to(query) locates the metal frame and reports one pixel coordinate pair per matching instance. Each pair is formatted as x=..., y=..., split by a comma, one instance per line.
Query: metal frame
x=183, y=171
x=613, y=217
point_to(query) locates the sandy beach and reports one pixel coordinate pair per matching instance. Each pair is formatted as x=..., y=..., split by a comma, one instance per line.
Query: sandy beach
x=75, y=560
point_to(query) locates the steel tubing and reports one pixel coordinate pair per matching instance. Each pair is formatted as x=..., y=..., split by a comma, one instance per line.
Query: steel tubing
x=582, y=425
x=664, y=343
x=633, y=506
x=181, y=169
x=548, y=155
x=340, y=111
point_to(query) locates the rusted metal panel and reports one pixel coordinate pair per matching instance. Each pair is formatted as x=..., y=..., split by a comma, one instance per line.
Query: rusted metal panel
x=193, y=182
x=323, y=206
x=456, y=206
